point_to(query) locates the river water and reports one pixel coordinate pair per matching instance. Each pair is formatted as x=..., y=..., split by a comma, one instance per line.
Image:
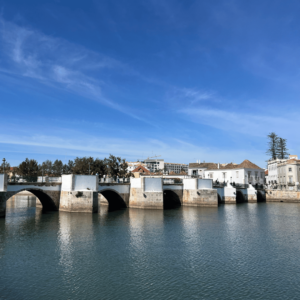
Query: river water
x=245, y=251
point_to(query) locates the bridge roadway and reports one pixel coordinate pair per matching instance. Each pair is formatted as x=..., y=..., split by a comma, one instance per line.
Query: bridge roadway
x=84, y=193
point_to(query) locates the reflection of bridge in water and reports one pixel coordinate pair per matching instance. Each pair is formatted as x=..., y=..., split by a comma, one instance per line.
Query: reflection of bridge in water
x=84, y=193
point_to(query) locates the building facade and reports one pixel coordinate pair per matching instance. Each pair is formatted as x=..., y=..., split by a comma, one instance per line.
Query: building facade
x=134, y=165
x=244, y=173
x=289, y=173
x=154, y=165
x=273, y=172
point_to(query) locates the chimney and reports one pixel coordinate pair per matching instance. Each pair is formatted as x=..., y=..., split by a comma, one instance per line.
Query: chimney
x=218, y=165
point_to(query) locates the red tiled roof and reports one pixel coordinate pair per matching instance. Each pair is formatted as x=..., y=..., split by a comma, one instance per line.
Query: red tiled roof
x=141, y=169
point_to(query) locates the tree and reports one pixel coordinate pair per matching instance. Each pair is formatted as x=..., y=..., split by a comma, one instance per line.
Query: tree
x=82, y=165
x=6, y=167
x=123, y=169
x=68, y=168
x=57, y=168
x=113, y=165
x=46, y=168
x=29, y=167
x=99, y=167
x=281, y=149
x=273, y=145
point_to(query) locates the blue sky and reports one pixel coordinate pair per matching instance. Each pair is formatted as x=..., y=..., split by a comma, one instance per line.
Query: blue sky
x=187, y=80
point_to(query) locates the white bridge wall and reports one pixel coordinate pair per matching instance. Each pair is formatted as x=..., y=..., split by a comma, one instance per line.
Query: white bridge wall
x=153, y=185
x=121, y=189
x=15, y=188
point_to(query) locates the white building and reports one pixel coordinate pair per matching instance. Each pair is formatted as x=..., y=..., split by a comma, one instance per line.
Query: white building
x=273, y=169
x=244, y=173
x=133, y=165
x=159, y=164
x=176, y=168
x=289, y=173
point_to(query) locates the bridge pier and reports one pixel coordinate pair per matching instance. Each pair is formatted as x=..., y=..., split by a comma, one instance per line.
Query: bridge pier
x=199, y=192
x=146, y=193
x=79, y=193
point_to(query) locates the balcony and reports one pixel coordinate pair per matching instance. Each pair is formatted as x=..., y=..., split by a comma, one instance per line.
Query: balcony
x=291, y=184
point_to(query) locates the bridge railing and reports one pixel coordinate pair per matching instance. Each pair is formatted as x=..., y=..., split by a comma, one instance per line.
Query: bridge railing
x=114, y=180
x=172, y=181
x=20, y=179
x=219, y=184
x=240, y=185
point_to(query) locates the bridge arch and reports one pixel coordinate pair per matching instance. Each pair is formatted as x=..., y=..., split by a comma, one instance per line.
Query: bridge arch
x=260, y=197
x=48, y=199
x=171, y=199
x=240, y=197
x=113, y=199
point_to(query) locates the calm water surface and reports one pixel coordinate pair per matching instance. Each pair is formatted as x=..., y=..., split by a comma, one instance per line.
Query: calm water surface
x=246, y=251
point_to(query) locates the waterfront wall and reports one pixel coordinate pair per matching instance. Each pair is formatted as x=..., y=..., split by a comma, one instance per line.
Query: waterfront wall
x=282, y=196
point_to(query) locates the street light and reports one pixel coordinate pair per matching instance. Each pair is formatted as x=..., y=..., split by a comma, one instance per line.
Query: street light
x=4, y=160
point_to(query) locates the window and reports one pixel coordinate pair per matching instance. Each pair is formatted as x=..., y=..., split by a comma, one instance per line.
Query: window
x=224, y=175
x=290, y=169
x=237, y=174
x=261, y=175
x=290, y=179
x=211, y=175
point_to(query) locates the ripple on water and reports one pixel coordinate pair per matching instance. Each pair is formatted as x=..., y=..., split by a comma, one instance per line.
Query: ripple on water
x=249, y=251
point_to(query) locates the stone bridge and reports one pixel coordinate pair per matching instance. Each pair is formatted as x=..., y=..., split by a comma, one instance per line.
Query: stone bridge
x=233, y=195
x=84, y=193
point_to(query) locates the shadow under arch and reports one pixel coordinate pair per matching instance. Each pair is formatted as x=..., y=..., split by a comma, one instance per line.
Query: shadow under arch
x=171, y=199
x=113, y=199
x=219, y=199
x=46, y=201
x=240, y=198
x=260, y=197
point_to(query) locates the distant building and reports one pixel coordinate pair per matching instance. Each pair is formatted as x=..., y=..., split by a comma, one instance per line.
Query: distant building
x=140, y=170
x=289, y=172
x=176, y=168
x=244, y=173
x=273, y=168
x=155, y=165
x=133, y=165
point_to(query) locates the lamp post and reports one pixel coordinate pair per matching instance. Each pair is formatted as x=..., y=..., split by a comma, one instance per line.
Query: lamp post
x=89, y=168
x=4, y=160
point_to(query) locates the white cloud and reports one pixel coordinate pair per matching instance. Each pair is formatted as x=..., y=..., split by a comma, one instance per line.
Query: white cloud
x=57, y=63
x=172, y=150
x=250, y=123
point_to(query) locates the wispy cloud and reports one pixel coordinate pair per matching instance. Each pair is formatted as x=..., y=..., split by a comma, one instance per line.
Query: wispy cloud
x=57, y=63
x=173, y=150
x=189, y=96
x=247, y=123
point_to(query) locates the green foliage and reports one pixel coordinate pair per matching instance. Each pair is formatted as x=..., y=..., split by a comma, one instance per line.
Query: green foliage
x=113, y=166
x=282, y=151
x=272, y=145
x=277, y=146
x=57, y=168
x=6, y=167
x=29, y=167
